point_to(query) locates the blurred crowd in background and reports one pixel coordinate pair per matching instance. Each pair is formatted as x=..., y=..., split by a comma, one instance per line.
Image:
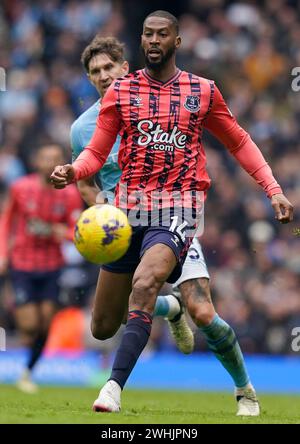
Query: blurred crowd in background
x=249, y=48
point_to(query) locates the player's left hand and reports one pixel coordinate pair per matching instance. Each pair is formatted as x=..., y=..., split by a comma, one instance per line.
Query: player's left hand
x=283, y=208
x=62, y=176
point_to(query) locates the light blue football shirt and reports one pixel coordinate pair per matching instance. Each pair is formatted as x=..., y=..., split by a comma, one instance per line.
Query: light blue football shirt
x=82, y=131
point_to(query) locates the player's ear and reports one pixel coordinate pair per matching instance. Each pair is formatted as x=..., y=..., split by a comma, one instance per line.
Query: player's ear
x=177, y=42
x=125, y=68
x=90, y=78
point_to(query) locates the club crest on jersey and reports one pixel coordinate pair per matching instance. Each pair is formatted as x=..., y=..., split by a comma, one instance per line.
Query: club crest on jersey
x=192, y=104
x=137, y=101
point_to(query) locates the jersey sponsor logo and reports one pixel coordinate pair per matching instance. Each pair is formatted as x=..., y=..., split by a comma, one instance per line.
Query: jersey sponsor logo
x=38, y=227
x=192, y=104
x=137, y=101
x=161, y=140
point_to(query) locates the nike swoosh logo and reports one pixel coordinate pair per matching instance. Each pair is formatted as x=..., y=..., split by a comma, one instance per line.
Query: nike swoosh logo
x=146, y=319
x=143, y=317
x=133, y=316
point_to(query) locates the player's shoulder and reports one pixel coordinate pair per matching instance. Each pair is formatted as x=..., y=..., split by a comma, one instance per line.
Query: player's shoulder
x=192, y=78
x=81, y=121
x=134, y=75
x=27, y=181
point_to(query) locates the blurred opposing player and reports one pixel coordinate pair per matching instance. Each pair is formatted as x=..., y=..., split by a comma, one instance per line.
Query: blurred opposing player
x=35, y=221
x=103, y=60
x=162, y=112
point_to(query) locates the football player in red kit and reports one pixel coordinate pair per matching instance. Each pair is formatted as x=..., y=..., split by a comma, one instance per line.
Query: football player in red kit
x=35, y=221
x=160, y=112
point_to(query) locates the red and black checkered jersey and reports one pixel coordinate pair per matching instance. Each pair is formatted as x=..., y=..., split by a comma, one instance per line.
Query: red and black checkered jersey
x=32, y=208
x=161, y=125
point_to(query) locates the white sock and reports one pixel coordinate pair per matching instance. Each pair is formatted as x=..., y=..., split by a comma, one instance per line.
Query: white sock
x=240, y=390
x=174, y=306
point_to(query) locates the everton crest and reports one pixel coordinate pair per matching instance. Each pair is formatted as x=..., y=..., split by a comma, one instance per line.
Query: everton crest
x=192, y=104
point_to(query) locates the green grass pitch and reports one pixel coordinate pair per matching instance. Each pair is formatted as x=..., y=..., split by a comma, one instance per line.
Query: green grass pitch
x=73, y=406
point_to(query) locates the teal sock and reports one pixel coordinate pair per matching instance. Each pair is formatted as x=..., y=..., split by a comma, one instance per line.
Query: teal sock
x=222, y=341
x=166, y=306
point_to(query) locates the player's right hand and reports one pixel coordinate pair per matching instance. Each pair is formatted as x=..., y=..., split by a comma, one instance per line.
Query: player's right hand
x=62, y=176
x=282, y=207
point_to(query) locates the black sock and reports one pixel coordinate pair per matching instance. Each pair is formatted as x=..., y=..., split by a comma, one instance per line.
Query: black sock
x=36, y=350
x=135, y=337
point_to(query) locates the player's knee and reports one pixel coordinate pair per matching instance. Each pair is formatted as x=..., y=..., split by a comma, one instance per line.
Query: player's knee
x=203, y=314
x=144, y=290
x=204, y=287
x=103, y=328
x=201, y=309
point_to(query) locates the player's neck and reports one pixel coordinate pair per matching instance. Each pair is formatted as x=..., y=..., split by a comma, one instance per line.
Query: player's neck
x=162, y=74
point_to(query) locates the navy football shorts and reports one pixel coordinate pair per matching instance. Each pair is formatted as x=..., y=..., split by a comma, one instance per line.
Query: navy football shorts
x=159, y=232
x=34, y=286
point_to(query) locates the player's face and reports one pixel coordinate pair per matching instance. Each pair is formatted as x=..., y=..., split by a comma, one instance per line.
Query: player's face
x=47, y=159
x=159, y=41
x=103, y=71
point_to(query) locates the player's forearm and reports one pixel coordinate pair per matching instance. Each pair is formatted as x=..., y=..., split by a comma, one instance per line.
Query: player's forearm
x=253, y=162
x=93, y=157
x=86, y=165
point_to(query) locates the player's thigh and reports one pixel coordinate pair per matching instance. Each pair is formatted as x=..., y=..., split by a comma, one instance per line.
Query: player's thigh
x=157, y=262
x=47, y=287
x=47, y=309
x=193, y=283
x=26, y=311
x=111, y=297
x=27, y=318
x=194, y=266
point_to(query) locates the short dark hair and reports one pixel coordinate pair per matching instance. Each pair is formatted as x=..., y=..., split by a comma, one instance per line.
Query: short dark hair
x=103, y=45
x=47, y=144
x=167, y=15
